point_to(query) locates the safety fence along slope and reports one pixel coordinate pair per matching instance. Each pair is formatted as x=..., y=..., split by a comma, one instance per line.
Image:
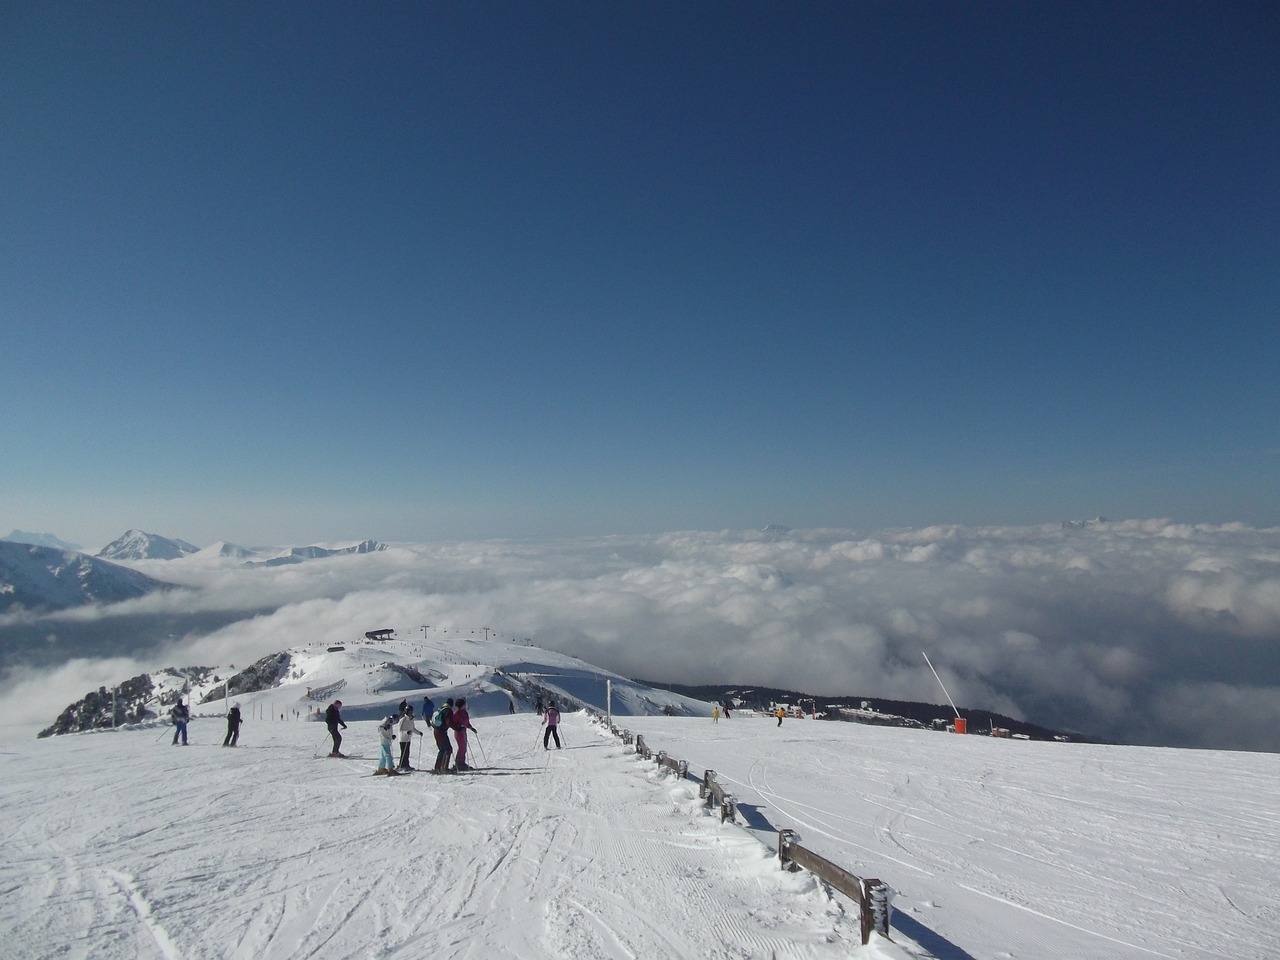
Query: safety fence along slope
x=873, y=897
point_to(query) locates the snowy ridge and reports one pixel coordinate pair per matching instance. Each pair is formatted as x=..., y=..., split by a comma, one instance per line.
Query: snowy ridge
x=222, y=549
x=318, y=551
x=42, y=540
x=36, y=577
x=139, y=545
x=372, y=678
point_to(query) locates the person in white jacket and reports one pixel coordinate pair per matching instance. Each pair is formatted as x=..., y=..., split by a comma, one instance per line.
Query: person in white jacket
x=386, y=737
x=407, y=729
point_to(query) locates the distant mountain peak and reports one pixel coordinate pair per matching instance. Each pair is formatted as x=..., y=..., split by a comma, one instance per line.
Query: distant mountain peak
x=140, y=545
x=41, y=540
x=1082, y=524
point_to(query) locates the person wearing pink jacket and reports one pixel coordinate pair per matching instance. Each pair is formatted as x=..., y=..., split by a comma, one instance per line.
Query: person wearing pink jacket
x=461, y=724
x=551, y=720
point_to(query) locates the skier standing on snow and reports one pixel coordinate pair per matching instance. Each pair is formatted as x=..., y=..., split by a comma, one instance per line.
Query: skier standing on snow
x=233, y=726
x=538, y=705
x=781, y=713
x=179, y=714
x=440, y=723
x=551, y=720
x=428, y=708
x=407, y=729
x=333, y=720
x=404, y=706
x=386, y=737
x=461, y=724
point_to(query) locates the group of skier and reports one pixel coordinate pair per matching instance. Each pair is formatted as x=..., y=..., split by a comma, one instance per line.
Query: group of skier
x=180, y=715
x=397, y=728
x=449, y=716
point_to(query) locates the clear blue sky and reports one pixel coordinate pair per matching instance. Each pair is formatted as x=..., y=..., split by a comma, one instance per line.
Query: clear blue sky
x=286, y=272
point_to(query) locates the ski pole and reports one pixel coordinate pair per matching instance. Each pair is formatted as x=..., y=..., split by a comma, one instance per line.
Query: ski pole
x=481, y=746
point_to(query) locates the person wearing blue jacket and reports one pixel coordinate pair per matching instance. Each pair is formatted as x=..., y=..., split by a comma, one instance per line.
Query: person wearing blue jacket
x=180, y=715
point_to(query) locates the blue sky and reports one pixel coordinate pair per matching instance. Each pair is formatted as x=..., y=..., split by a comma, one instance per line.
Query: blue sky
x=292, y=272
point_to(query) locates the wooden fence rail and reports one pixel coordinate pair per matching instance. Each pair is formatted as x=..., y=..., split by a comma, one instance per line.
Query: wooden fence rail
x=872, y=896
x=681, y=767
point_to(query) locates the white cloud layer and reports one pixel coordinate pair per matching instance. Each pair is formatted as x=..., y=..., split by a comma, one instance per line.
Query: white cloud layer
x=1139, y=631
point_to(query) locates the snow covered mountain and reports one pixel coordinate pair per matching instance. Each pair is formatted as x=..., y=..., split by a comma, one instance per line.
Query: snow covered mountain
x=36, y=577
x=139, y=545
x=317, y=551
x=222, y=549
x=41, y=540
x=373, y=676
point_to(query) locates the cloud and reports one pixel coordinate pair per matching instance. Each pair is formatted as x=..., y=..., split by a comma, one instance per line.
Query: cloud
x=1139, y=631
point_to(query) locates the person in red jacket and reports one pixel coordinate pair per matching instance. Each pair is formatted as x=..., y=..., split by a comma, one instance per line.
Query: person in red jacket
x=461, y=724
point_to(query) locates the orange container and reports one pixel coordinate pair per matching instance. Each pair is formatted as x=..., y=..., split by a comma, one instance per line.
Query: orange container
x=962, y=725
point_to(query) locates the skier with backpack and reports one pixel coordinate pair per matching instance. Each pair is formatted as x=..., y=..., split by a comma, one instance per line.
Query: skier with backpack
x=233, y=726
x=441, y=720
x=179, y=714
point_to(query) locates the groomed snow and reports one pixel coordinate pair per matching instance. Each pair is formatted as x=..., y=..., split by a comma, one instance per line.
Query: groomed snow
x=119, y=845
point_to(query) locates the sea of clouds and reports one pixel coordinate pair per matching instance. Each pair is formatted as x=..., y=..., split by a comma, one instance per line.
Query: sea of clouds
x=1139, y=631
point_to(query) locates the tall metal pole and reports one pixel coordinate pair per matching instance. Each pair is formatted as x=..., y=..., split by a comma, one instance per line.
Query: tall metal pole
x=940, y=683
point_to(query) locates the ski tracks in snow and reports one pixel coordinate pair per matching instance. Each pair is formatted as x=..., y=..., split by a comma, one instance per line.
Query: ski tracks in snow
x=588, y=852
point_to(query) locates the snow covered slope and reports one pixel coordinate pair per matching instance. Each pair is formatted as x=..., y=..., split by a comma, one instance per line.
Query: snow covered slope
x=43, y=577
x=997, y=849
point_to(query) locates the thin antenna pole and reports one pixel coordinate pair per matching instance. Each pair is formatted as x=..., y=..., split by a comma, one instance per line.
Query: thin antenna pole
x=940, y=683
